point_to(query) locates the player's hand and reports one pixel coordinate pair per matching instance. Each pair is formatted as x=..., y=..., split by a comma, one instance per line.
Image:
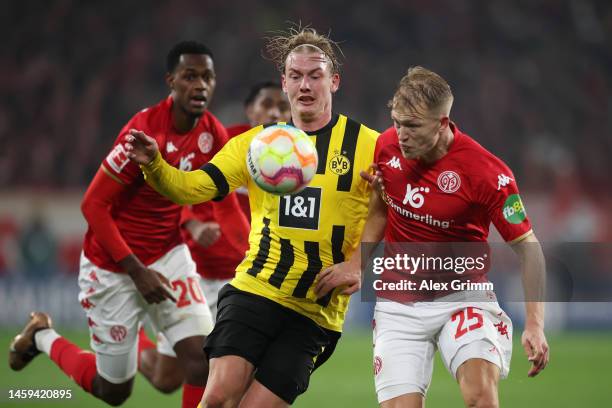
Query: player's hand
x=204, y=233
x=140, y=147
x=152, y=285
x=536, y=348
x=342, y=274
x=373, y=177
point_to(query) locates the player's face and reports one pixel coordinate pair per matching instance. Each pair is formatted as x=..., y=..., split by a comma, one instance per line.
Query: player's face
x=418, y=131
x=309, y=84
x=270, y=106
x=193, y=83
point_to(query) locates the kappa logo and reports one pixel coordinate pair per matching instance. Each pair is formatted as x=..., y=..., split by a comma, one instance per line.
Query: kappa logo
x=414, y=196
x=171, y=148
x=394, y=162
x=502, y=329
x=185, y=163
x=503, y=181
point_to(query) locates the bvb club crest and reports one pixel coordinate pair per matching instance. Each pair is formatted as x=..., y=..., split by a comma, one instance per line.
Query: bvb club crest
x=339, y=164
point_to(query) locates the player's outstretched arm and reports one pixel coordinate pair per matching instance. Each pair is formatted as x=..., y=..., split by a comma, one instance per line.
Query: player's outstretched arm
x=533, y=271
x=182, y=187
x=348, y=273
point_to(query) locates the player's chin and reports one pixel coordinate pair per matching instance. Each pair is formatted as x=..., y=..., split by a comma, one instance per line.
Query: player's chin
x=307, y=113
x=411, y=155
x=196, y=112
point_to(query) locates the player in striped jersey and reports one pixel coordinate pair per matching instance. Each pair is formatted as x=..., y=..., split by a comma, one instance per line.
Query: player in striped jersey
x=272, y=330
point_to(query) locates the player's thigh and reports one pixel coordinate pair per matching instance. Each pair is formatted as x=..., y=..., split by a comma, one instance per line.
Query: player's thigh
x=228, y=379
x=404, y=348
x=114, y=309
x=245, y=326
x=259, y=396
x=289, y=360
x=476, y=331
x=189, y=316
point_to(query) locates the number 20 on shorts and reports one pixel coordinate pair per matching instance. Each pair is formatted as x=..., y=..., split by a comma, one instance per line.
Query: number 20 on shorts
x=188, y=291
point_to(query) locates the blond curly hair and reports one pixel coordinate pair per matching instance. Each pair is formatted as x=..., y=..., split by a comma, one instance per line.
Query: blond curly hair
x=302, y=39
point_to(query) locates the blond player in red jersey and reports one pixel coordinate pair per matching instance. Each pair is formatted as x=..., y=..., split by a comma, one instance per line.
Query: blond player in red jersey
x=134, y=261
x=437, y=185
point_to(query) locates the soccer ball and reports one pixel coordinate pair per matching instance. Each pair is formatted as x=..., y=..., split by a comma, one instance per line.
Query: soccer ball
x=282, y=159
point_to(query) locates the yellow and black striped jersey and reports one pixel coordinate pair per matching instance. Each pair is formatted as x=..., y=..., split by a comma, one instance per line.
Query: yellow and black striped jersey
x=294, y=237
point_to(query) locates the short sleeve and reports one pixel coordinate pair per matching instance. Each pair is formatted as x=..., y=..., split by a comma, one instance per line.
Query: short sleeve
x=117, y=164
x=499, y=193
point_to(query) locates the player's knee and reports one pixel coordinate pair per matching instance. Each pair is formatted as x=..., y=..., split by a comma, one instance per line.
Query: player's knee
x=117, y=397
x=194, y=366
x=483, y=395
x=215, y=397
x=167, y=384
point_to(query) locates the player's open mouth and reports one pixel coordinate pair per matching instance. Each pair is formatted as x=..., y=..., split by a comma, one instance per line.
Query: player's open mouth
x=306, y=100
x=199, y=101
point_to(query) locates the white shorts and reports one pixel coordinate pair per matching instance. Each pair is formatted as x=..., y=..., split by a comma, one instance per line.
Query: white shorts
x=211, y=288
x=406, y=337
x=115, y=309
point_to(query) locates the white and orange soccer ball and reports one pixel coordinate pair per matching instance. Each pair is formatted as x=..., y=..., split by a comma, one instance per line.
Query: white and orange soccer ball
x=282, y=159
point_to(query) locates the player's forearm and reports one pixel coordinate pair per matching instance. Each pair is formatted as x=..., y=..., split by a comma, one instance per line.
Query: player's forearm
x=181, y=187
x=374, y=229
x=96, y=208
x=533, y=269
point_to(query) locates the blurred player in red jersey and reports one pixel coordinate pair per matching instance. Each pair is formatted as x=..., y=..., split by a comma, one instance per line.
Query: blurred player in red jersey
x=134, y=261
x=266, y=103
x=436, y=184
x=217, y=236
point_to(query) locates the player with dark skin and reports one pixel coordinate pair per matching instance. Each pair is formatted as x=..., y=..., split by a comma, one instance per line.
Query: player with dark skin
x=192, y=83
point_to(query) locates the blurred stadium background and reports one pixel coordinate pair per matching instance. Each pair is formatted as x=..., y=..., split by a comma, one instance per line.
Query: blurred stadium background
x=532, y=82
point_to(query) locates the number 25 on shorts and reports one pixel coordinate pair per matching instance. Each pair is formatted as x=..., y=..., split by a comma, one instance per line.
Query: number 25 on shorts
x=471, y=316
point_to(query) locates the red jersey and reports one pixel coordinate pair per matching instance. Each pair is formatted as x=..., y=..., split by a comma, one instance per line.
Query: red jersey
x=147, y=221
x=219, y=260
x=235, y=130
x=454, y=199
x=243, y=194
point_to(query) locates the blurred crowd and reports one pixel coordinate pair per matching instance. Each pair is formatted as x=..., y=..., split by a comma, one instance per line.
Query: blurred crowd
x=532, y=82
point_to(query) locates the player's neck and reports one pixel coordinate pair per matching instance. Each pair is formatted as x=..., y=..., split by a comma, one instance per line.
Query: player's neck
x=440, y=149
x=183, y=122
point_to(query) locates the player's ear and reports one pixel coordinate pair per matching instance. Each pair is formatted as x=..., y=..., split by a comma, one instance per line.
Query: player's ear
x=335, y=82
x=249, y=112
x=444, y=122
x=170, y=80
x=284, y=83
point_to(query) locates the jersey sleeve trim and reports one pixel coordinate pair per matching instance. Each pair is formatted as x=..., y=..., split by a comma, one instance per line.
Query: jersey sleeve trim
x=218, y=178
x=111, y=175
x=521, y=237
